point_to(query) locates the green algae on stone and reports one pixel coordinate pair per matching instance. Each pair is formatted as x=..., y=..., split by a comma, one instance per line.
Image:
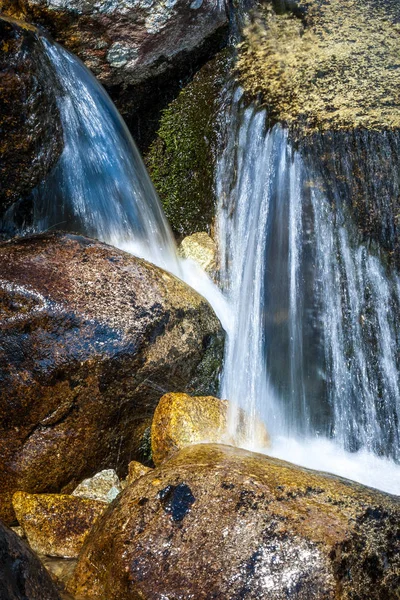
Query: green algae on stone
x=338, y=66
x=181, y=159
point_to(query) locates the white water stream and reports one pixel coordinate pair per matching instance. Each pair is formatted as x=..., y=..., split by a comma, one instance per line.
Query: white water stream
x=301, y=303
x=314, y=348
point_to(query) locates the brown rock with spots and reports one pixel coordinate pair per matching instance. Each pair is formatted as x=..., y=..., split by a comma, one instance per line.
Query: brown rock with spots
x=219, y=522
x=56, y=524
x=90, y=338
x=22, y=576
x=31, y=133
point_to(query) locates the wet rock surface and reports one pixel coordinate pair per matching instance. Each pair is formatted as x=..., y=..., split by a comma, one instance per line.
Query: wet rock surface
x=91, y=337
x=180, y=420
x=200, y=248
x=31, y=134
x=22, y=575
x=136, y=470
x=219, y=522
x=129, y=41
x=56, y=524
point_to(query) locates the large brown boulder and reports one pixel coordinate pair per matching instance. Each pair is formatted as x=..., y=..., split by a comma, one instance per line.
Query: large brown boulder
x=22, y=576
x=31, y=134
x=90, y=338
x=219, y=522
x=128, y=42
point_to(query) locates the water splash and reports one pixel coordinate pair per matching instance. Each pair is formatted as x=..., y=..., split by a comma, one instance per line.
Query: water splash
x=314, y=348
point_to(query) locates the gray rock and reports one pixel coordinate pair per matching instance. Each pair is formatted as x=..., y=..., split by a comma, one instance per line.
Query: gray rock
x=103, y=486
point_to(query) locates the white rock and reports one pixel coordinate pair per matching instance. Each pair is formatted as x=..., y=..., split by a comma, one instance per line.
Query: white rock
x=104, y=486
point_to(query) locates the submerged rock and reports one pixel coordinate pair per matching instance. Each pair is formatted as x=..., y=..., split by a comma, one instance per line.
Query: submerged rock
x=22, y=576
x=104, y=486
x=219, y=522
x=129, y=41
x=31, y=133
x=91, y=337
x=56, y=524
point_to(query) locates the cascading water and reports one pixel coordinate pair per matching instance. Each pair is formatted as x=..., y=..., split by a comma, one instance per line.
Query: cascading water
x=100, y=186
x=314, y=345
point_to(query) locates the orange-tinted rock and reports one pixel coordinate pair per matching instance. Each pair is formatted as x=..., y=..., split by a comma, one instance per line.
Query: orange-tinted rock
x=22, y=576
x=181, y=420
x=136, y=470
x=219, y=522
x=89, y=335
x=55, y=524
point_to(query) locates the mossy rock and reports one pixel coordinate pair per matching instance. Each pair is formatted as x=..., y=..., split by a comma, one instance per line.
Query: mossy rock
x=182, y=157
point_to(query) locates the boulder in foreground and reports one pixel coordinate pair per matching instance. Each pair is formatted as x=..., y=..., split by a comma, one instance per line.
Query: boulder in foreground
x=90, y=338
x=22, y=576
x=219, y=522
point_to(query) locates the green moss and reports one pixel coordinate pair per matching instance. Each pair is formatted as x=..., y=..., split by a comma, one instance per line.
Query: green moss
x=181, y=159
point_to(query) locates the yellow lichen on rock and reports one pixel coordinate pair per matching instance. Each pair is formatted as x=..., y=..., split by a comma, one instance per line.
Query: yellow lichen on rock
x=180, y=420
x=56, y=524
x=136, y=470
x=336, y=67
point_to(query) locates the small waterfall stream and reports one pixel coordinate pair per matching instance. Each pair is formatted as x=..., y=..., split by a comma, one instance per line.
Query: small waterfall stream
x=314, y=351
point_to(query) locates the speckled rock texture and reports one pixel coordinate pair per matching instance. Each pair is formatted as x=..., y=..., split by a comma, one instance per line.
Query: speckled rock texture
x=31, y=134
x=127, y=41
x=22, y=577
x=219, y=522
x=136, y=470
x=180, y=420
x=56, y=524
x=202, y=249
x=90, y=339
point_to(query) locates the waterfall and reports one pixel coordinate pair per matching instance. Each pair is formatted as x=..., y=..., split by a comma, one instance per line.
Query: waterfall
x=314, y=345
x=100, y=186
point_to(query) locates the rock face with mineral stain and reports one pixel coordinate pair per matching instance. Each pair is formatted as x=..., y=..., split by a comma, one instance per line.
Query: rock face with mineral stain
x=219, y=522
x=90, y=338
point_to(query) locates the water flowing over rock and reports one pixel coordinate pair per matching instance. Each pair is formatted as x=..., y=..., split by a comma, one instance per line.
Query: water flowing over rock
x=315, y=306
x=91, y=337
x=128, y=41
x=31, y=134
x=330, y=71
x=22, y=575
x=218, y=522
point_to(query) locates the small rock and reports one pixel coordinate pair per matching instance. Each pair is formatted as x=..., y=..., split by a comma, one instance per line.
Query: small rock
x=55, y=524
x=201, y=248
x=104, y=486
x=181, y=420
x=22, y=576
x=136, y=470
